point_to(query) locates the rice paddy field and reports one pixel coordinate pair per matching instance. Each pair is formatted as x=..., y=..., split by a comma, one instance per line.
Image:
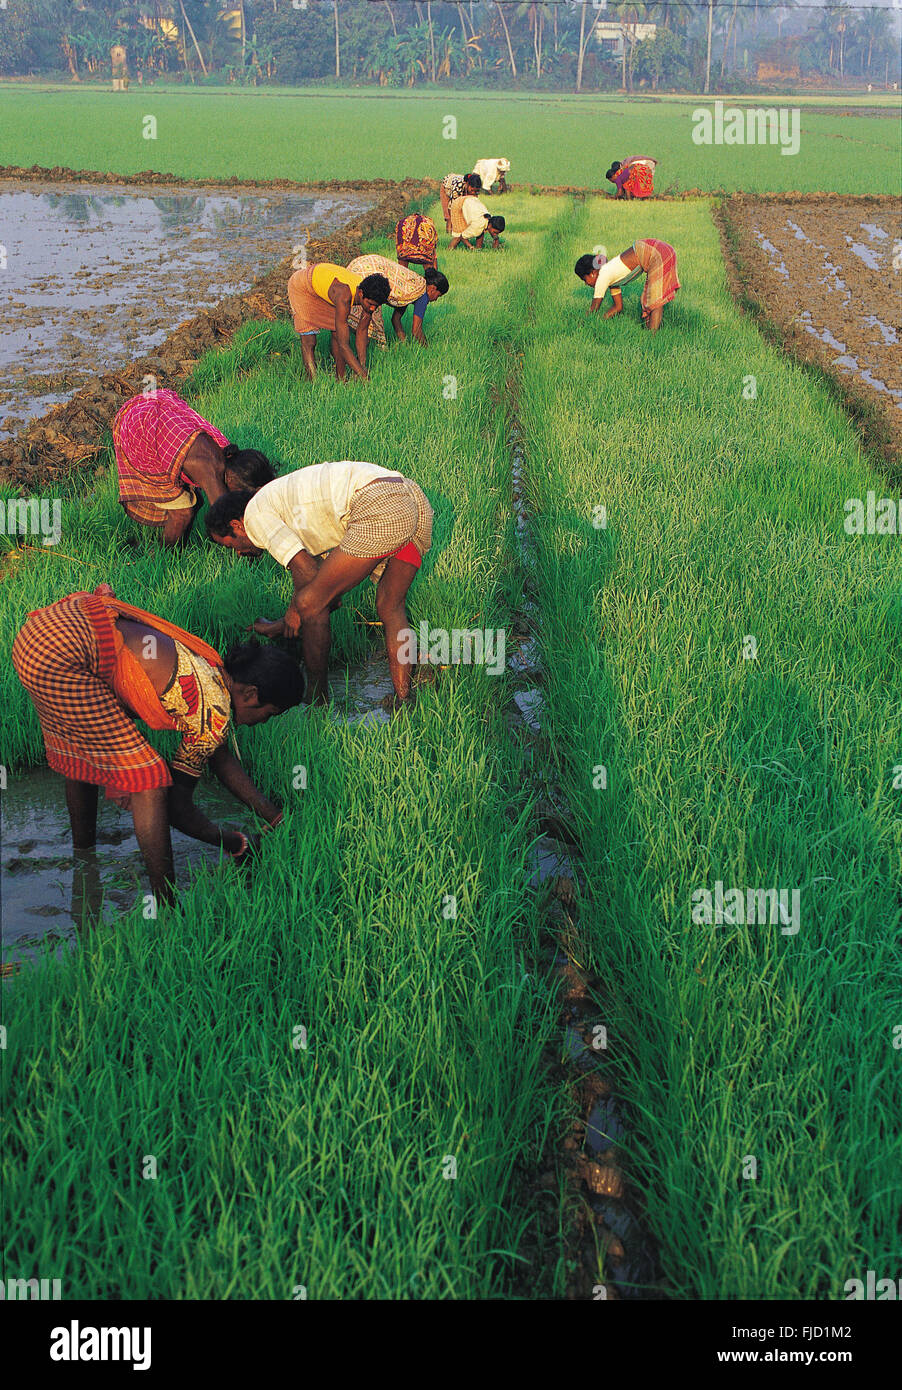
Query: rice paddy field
x=849, y=146
x=347, y=1067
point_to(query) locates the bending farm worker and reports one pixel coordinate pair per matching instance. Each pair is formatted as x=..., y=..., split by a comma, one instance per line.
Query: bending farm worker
x=321, y=298
x=656, y=258
x=166, y=454
x=370, y=521
x=492, y=170
x=470, y=220
x=92, y=665
x=416, y=240
x=407, y=287
x=634, y=177
x=457, y=186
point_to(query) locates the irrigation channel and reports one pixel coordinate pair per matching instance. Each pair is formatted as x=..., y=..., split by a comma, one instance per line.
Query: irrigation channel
x=607, y=1231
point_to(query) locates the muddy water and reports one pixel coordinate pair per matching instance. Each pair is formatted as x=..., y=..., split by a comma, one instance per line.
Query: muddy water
x=46, y=892
x=97, y=275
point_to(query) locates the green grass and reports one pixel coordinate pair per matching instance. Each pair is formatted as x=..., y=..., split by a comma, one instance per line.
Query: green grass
x=558, y=139
x=323, y=1166
x=724, y=519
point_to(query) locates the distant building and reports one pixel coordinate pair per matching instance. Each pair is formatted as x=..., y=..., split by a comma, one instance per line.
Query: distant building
x=613, y=36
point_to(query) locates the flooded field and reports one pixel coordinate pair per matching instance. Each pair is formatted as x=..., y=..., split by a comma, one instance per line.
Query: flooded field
x=98, y=275
x=826, y=267
x=47, y=892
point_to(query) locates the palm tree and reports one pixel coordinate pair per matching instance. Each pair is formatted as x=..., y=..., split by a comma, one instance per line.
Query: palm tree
x=630, y=14
x=510, y=51
x=337, y=41
x=584, y=40
x=874, y=27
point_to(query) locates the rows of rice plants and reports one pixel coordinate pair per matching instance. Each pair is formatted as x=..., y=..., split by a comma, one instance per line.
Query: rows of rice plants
x=730, y=655
x=325, y=1077
x=555, y=138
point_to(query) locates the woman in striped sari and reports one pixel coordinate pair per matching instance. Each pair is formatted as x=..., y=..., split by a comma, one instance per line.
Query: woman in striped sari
x=406, y=287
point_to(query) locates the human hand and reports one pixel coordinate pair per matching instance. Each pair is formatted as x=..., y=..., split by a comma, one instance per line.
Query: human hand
x=268, y=627
x=291, y=623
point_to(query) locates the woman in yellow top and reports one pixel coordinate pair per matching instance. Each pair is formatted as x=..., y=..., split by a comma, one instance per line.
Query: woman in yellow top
x=321, y=297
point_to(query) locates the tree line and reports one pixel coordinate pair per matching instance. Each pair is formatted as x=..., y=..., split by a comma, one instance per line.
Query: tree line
x=563, y=44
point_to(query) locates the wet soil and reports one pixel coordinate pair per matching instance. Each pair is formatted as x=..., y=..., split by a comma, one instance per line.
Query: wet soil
x=47, y=894
x=98, y=274
x=818, y=272
x=68, y=440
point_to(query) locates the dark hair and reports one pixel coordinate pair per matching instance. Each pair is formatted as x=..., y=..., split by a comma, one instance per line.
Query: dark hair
x=473, y=181
x=584, y=266
x=375, y=287
x=613, y=169
x=279, y=679
x=250, y=467
x=498, y=223
x=226, y=509
x=435, y=277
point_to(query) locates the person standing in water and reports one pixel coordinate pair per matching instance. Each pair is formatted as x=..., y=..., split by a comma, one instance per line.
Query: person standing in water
x=331, y=525
x=93, y=665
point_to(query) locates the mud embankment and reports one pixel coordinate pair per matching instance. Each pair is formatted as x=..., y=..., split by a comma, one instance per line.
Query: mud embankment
x=72, y=435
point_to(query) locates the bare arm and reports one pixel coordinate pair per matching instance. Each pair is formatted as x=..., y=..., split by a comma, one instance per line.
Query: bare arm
x=340, y=296
x=234, y=778
x=362, y=337
x=417, y=330
x=185, y=816
x=205, y=468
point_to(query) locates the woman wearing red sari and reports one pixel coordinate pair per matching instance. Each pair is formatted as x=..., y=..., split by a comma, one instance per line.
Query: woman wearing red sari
x=634, y=177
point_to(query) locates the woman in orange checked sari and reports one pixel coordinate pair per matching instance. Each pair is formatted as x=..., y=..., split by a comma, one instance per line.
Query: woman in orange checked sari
x=93, y=665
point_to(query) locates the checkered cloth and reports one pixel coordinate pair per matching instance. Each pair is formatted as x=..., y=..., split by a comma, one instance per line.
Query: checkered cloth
x=82, y=680
x=385, y=517
x=406, y=287
x=65, y=657
x=658, y=260
x=152, y=436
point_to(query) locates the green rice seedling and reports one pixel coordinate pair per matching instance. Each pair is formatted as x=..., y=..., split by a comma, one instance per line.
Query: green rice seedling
x=324, y=1079
x=551, y=138
x=717, y=643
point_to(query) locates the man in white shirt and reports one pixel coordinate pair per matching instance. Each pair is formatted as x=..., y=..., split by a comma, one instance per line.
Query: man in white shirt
x=491, y=169
x=331, y=525
x=470, y=220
